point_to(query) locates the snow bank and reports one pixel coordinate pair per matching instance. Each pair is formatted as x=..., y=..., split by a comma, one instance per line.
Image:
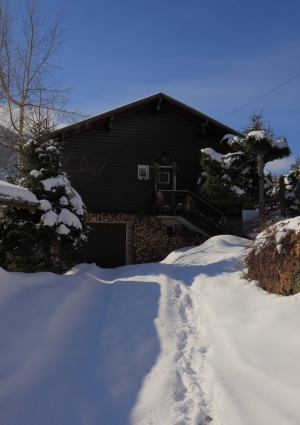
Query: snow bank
x=11, y=191
x=184, y=342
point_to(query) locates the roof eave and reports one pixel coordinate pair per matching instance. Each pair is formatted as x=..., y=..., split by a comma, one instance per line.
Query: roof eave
x=128, y=107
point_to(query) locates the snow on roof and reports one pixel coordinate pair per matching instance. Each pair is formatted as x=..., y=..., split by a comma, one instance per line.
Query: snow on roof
x=11, y=191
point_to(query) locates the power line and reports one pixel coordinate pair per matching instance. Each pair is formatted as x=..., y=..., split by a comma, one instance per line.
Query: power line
x=260, y=97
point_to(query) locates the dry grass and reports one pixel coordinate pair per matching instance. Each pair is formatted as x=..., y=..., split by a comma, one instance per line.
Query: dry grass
x=278, y=271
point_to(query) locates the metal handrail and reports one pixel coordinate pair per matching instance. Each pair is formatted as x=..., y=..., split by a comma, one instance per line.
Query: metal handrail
x=195, y=196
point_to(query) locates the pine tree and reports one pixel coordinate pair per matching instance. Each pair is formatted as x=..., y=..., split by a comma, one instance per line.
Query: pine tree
x=49, y=238
x=261, y=147
x=241, y=170
x=222, y=182
x=228, y=179
x=292, y=193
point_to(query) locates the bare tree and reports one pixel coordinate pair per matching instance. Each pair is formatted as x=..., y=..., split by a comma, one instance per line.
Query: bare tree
x=28, y=83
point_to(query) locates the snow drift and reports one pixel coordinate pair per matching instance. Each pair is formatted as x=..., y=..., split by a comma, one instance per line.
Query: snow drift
x=183, y=342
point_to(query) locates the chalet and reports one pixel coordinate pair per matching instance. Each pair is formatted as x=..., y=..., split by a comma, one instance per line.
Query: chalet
x=150, y=149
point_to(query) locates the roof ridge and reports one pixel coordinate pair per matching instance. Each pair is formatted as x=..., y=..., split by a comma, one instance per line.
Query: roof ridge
x=142, y=101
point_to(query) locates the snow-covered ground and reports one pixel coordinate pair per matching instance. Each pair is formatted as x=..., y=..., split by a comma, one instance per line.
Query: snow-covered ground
x=183, y=342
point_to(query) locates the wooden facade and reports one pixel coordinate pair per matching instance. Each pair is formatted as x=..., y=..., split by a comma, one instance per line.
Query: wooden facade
x=141, y=133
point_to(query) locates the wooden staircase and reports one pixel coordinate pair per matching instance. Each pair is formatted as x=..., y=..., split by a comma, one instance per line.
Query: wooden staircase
x=194, y=210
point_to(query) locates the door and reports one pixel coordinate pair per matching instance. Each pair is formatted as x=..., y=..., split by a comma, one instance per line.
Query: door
x=107, y=245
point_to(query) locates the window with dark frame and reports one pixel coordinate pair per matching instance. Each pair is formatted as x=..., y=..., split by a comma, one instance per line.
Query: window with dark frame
x=164, y=177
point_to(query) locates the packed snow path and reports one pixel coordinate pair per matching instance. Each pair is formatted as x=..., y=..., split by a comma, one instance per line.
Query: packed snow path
x=181, y=342
x=173, y=392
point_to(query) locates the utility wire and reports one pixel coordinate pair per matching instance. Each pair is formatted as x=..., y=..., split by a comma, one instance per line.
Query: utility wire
x=260, y=97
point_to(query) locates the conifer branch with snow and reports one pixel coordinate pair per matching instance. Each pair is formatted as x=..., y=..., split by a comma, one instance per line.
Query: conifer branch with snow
x=241, y=170
x=49, y=238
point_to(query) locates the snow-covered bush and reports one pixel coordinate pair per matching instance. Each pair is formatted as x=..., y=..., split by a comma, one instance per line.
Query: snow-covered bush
x=274, y=258
x=49, y=238
x=292, y=189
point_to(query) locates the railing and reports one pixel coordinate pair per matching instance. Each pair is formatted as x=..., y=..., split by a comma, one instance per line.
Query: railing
x=177, y=201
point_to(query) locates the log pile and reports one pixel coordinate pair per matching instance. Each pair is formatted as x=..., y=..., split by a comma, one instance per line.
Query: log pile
x=110, y=218
x=152, y=243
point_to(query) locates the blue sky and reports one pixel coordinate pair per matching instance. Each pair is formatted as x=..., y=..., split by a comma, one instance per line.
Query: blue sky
x=214, y=55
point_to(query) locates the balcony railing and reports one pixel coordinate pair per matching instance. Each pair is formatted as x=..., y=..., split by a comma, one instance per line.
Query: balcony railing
x=184, y=201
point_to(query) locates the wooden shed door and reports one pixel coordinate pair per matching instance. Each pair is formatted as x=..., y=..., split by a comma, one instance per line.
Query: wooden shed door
x=107, y=245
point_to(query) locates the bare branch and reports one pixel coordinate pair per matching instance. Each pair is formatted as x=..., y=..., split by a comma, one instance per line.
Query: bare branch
x=27, y=70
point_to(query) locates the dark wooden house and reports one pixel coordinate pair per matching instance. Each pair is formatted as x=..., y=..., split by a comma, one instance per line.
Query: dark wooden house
x=150, y=149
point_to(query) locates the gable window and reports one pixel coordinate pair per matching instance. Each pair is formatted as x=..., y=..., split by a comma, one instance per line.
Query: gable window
x=143, y=172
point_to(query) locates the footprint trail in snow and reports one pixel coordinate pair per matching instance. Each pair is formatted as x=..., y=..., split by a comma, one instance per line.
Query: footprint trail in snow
x=175, y=386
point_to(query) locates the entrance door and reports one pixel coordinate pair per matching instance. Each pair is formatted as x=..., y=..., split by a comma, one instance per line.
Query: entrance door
x=107, y=245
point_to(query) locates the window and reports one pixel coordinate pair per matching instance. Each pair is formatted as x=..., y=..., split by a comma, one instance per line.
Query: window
x=143, y=172
x=170, y=228
x=164, y=177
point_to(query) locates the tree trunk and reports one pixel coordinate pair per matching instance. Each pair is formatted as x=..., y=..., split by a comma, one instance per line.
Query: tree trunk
x=21, y=133
x=261, y=188
x=282, y=196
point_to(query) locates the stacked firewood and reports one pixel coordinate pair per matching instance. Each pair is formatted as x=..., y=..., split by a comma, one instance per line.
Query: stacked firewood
x=152, y=243
x=110, y=218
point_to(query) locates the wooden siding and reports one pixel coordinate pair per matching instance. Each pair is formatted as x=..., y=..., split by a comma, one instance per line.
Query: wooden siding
x=136, y=139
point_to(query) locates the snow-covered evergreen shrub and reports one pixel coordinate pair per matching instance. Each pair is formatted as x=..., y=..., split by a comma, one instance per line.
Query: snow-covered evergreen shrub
x=49, y=238
x=226, y=179
x=292, y=190
x=238, y=176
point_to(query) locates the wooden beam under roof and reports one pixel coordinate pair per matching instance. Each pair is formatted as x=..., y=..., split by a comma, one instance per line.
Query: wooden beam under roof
x=18, y=203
